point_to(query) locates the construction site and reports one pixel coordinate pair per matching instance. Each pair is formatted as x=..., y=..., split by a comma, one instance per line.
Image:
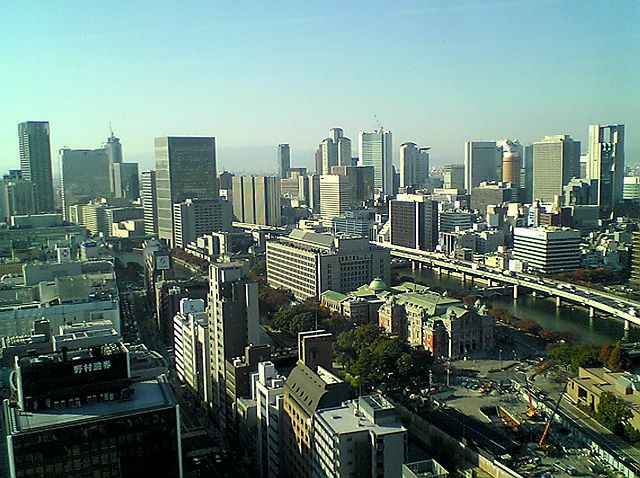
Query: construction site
x=493, y=409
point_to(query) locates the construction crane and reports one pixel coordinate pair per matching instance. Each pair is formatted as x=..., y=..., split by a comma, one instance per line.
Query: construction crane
x=545, y=433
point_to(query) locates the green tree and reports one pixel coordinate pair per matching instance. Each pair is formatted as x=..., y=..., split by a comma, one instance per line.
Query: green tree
x=561, y=354
x=585, y=355
x=613, y=413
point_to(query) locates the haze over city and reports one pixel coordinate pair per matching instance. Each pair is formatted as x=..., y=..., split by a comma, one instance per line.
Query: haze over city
x=256, y=74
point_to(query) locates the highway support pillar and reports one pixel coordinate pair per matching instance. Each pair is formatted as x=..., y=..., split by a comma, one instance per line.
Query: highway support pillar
x=558, y=301
x=627, y=327
x=515, y=292
x=592, y=312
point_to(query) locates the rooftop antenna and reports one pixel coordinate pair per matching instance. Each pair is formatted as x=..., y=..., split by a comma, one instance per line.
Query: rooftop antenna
x=380, y=129
x=111, y=129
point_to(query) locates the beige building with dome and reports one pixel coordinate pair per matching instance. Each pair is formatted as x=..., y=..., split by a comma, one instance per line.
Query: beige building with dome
x=361, y=305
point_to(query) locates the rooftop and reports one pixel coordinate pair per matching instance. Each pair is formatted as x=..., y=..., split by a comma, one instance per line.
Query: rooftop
x=350, y=418
x=147, y=395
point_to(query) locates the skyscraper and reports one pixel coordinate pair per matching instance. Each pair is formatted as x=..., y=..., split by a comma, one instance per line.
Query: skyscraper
x=256, y=200
x=453, y=176
x=335, y=134
x=125, y=180
x=16, y=196
x=329, y=155
x=284, y=160
x=605, y=163
x=35, y=162
x=85, y=175
x=556, y=160
x=414, y=166
x=344, y=151
x=114, y=149
x=511, y=162
x=414, y=222
x=185, y=168
x=481, y=163
x=149, y=202
x=335, y=195
x=376, y=149
x=233, y=318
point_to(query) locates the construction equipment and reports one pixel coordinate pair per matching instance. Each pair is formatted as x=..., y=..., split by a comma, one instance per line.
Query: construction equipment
x=541, y=444
x=531, y=413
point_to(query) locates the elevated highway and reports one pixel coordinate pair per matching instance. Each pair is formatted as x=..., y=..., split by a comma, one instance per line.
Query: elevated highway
x=594, y=300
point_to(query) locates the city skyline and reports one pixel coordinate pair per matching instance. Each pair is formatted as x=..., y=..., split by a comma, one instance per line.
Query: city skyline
x=459, y=72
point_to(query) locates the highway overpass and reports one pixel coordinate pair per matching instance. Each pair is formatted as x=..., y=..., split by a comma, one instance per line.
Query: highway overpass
x=594, y=300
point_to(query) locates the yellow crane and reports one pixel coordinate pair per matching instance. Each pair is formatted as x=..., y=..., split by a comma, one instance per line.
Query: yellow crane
x=541, y=444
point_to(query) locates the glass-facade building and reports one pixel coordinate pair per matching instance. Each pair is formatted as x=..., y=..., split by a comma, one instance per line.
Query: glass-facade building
x=185, y=169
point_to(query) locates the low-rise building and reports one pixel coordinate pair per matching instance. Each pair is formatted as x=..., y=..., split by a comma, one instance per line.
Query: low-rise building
x=442, y=325
x=587, y=388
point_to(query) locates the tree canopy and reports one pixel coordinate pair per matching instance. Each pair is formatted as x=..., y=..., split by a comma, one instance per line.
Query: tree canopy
x=371, y=358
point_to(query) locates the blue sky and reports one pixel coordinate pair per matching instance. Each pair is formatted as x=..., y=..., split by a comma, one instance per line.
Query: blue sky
x=255, y=73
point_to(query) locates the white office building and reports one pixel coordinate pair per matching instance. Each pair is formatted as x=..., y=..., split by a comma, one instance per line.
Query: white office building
x=335, y=195
x=191, y=347
x=548, y=250
x=631, y=190
x=376, y=149
x=556, y=160
x=308, y=263
x=269, y=395
x=362, y=437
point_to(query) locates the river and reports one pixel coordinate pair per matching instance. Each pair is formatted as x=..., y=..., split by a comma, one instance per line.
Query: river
x=598, y=331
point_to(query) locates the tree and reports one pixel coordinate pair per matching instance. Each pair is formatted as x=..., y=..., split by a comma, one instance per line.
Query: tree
x=616, y=359
x=561, y=354
x=300, y=317
x=613, y=413
x=585, y=355
x=605, y=352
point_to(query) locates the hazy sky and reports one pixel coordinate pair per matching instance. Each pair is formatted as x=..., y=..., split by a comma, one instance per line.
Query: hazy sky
x=256, y=73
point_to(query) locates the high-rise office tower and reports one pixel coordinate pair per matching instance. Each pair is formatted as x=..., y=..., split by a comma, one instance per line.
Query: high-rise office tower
x=414, y=222
x=329, y=154
x=114, y=149
x=284, y=160
x=481, y=163
x=149, y=202
x=16, y=196
x=344, y=151
x=453, y=176
x=605, y=164
x=125, y=180
x=85, y=175
x=556, y=160
x=256, y=200
x=376, y=149
x=35, y=162
x=335, y=195
x=335, y=134
x=414, y=166
x=360, y=183
x=526, y=176
x=233, y=318
x=185, y=168
x=511, y=162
